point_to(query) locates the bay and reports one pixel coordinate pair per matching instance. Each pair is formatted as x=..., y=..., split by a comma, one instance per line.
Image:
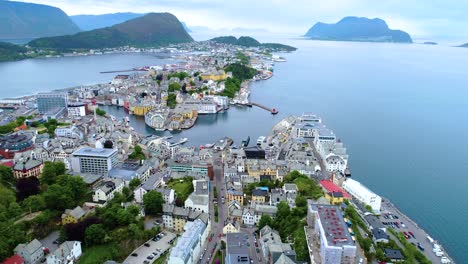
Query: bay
x=401, y=111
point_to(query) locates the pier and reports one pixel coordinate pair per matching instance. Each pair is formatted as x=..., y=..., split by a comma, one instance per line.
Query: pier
x=273, y=111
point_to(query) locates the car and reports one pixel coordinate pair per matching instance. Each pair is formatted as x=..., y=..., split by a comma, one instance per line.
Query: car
x=150, y=257
x=157, y=222
x=256, y=244
x=146, y=262
x=158, y=249
x=220, y=235
x=411, y=234
x=258, y=250
x=56, y=242
x=147, y=244
x=155, y=253
x=134, y=255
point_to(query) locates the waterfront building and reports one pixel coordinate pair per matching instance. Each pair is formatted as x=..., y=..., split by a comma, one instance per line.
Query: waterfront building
x=76, y=110
x=67, y=253
x=32, y=252
x=237, y=248
x=363, y=194
x=93, y=160
x=190, y=243
x=47, y=102
x=28, y=168
x=106, y=190
x=15, y=143
x=156, y=118
x=333, y=193
x=336, y=244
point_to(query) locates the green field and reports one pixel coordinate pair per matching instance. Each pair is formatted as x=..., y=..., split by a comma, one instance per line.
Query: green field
x=182, y=187
x=99, y=254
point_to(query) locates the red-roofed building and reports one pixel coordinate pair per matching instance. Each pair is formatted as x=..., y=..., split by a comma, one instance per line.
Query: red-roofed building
x=334, y=193
x=9, y=163
x=15, y=259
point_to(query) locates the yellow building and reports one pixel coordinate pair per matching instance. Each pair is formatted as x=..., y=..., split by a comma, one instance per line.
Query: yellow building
x=215, y=76
x=231, y=228
x=73, y=216
x=259, y=196
x=141, y=110
x=180, y=216
x=233, y=195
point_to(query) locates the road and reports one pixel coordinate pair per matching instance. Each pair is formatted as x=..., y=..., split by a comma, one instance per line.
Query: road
x=256, y=257
x=48, y=241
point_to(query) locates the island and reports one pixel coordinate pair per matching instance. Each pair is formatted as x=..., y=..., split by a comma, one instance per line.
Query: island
x=430, y=43
x=246, y=41
x=464, y=45
x=153, y=29
x=358, y=29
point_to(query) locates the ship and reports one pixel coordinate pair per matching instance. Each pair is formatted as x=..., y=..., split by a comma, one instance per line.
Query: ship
x=245, y=142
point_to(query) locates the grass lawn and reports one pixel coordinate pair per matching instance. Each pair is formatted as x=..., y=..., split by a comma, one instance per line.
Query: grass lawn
x=218, y=258
x=161, y=259
x=99, y=254
x=182, y=187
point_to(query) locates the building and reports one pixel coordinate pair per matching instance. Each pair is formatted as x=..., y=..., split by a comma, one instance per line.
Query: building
x=73, y=216
x=167, y=217
x=130, y=170
x=235, y=195
x=31, y=252
x=394, y=255
x=188, y=168
x=199, y=198
x=15, y=259
x=336, y=244
x=28, y=168
x=15, y=143
x=363, y=194
x=248, y=217
x=47, y=102
x=378, y=235
x=67, y=253
x=93, y=160
x=156, y=119
x=214, y=75
x=333, y=193
x=68, y=132
x=231, y=227
x=237, y=248
x=76, y=110
x=190, y=244
x=106, y=190
x=274, y=250
x=259, y=196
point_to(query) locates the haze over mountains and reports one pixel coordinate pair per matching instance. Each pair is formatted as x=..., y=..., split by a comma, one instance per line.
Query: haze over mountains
x=358, y=29
x=20, y=20
x=90, y=22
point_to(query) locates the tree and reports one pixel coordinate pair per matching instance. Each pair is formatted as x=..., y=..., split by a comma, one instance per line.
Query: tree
x=59, y=198
x=135, y=182
x=108, y=144
x=59, y=168
x=48, y=175
x=26, y=187
x=173, y=87
x=301, y=201
x=153, y=202
x=9, y=209
x=137, y=153
x=6, y=176
x=265, y=220
x=34, y=203
x=95, y=234
x=100, y=112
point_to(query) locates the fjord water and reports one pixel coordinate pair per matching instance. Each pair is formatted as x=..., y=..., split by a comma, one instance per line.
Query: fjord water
x=401, y=111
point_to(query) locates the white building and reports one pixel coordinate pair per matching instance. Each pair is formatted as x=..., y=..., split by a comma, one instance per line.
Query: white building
x=93, y=160
x=248, y=217
x=363, y=194
x=199, y=199
x=67, y=253
x=106, y=190
x=190, y=244
x=68, y=132
x=76, y=110
x=336, y=244
x=31, y=253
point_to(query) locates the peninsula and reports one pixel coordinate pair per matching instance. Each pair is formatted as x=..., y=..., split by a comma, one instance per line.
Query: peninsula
x=358, y=29
x=246, y=41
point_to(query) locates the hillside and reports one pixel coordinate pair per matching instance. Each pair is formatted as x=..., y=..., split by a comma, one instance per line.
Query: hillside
x=26, y=21
x=358, y=29
x=9, y=52
x=251, y=42
x=90, y=22
x=153, y=29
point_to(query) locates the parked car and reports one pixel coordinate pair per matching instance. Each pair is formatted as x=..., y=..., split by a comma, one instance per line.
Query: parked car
x=147, y=244
x=134, y=255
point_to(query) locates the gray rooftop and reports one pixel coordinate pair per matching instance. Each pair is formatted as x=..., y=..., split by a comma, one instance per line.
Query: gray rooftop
x=95, y=152
x=237, y=249
x=336, y=231
x=201, y=187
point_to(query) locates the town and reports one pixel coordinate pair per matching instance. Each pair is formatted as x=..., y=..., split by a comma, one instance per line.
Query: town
x=81, y=186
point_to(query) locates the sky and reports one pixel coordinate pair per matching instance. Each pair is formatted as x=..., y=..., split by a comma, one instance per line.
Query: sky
x=420, y=18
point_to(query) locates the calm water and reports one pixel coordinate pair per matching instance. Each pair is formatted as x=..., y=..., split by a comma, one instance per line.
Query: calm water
x=400, y=109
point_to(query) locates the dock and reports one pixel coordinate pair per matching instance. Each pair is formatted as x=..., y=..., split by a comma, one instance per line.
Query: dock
x=273, y=111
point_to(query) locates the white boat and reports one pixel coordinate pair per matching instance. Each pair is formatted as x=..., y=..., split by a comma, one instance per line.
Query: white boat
x=430, y=239
x=260, y=140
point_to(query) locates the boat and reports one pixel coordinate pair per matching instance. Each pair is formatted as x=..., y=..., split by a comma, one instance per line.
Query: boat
x=209, y=145
x=260, y=140
x=180, y=142
x=245, y=142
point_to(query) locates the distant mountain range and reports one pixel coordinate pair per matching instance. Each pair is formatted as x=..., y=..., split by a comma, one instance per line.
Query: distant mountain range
x=20, y=20
x=251, y=42
x=358, y=29
x=90, y=22
x=153, y=29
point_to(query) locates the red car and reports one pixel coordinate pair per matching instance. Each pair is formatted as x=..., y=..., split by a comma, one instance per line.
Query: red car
x=210, y=238
x=220, y=235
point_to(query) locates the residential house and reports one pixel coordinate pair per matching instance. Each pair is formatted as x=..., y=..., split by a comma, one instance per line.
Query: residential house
x=106, y=190
x=67, y=253
x=277, y=195
x=274, y=250
x=73, y=216
x=394, y=255
x=199, y=199
x=248, y=217
x=259, y=195
x=231, y=227
x=167, y=217
x=378, y=235
x=15, y=259
x=235, y=195
x=31, y=252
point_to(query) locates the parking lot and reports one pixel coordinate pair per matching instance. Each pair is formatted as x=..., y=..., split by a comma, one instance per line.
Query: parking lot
x=151, y=250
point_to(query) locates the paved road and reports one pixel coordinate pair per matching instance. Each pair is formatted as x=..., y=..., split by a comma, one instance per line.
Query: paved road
x=157, y=247
x=48, y=241
x=149, y=222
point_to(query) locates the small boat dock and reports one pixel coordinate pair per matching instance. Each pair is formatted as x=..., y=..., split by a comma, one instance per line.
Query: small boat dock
x=273, y=111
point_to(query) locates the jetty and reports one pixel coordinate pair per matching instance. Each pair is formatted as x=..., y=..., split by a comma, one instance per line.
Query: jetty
x=273, y=111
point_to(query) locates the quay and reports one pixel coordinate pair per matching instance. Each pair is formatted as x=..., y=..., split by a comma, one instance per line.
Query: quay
x=273, y=111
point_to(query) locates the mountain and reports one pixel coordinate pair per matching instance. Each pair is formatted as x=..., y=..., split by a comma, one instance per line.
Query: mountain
x=186, y=27
x=251, y=42
x=464, y=46
x=27, y=21
x=358, y=29
x=153, y=29
x=9, y=52
x=90, y=22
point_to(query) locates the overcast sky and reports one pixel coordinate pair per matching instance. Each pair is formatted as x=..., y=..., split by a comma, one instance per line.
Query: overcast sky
x=423, y=18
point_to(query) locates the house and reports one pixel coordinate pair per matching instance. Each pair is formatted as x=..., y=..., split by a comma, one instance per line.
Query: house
x=28, y=168
x=235, y=195
x=277, y=195
x=199, y=199
x=15, y=259
x=378, y=235
x=394, y=255
x=263, y=209
x=167, y=216
x=259, y=195
x=31, y=253
x=67, y=253
x=168, y=194
x=235, y=211
x=333, y=193
x=106, y=190
x=73, y=216
x=248, y=217
x=274, y=250
x=290, y=189
x=231, y=227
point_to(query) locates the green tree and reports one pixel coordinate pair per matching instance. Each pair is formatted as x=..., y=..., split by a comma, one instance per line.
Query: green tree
x=300, y=245
x=49, y=174
x=137, y=154
x=135, y=182
x=34, y=203
x=59, y=168
x=153, y=202
x=6, y=176
x=95, y=234
x=301, y=201
x=9, y=208
x=174, y=87
x=265, y=220
x=59, y=198
x=100, y=112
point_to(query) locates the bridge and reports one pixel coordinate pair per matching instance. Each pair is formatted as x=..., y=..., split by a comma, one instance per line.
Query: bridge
x=273, y=111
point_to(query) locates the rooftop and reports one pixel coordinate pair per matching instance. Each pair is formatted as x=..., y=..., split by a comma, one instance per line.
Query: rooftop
x=237, y=249
x=95, y=152
x=336, y=231
x=330, y=187
x=189, y=239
